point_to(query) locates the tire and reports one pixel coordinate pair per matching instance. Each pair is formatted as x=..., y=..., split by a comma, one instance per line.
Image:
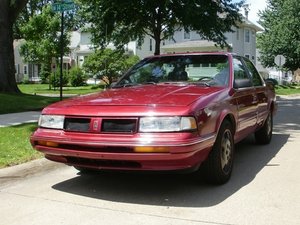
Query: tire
x=84, y=170
x=217, y=168
x=264, y=135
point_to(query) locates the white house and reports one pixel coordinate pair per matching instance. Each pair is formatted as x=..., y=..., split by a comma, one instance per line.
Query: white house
x=24, y=70
x=242, y=41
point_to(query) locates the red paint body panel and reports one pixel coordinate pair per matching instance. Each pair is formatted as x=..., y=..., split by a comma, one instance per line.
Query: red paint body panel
x=246, y=108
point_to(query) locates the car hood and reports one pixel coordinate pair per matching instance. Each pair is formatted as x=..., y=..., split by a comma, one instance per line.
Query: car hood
x=166, y=95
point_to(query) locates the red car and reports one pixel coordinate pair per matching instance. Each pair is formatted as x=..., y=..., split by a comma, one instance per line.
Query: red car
x=179, y=112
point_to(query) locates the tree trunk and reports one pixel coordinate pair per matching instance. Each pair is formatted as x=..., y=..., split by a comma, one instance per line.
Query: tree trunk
x=8, y=15
x=157, y=46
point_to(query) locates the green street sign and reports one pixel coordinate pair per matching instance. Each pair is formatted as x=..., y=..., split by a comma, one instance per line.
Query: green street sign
x=65, y=5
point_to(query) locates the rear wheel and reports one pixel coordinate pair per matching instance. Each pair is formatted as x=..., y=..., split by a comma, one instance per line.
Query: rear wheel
x=218, y=166
x=264, y=135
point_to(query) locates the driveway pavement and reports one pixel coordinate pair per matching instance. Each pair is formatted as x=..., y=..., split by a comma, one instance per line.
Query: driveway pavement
x=264, y=189
x=18, y=118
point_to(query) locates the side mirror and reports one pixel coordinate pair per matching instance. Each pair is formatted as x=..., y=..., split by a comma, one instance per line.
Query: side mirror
x=270, y=84
x=242, y=83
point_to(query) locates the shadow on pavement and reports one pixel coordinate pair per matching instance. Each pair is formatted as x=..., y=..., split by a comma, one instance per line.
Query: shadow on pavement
x=174, y=189
x=183, y=190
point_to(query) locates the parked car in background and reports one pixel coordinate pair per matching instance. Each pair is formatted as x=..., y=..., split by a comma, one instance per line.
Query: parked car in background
x=178, y=112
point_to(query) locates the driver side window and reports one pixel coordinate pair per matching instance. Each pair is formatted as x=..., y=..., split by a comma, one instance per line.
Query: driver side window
x=241, y=77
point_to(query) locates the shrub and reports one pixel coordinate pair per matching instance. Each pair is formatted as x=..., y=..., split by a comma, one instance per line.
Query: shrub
x=77, y=77
x=55, y=79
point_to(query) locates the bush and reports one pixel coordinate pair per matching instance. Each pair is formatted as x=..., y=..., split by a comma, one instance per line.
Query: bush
x=76, y=77
x=55, y=79
x=45, y=74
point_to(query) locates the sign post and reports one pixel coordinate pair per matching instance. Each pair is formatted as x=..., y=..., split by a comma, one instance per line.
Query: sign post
x=280, y=61
x=62, y=6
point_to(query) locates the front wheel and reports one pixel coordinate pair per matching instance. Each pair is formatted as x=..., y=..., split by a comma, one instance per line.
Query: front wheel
x=218, y=166
x=264, y=134
x=84, y=170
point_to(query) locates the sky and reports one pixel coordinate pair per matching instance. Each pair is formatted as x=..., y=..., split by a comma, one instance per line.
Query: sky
x=255, y=6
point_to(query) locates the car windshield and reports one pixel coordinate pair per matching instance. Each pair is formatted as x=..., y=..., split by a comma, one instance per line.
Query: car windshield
x=208, y=70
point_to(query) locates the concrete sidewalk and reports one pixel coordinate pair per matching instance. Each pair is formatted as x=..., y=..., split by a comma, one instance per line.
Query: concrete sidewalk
x=12, y=119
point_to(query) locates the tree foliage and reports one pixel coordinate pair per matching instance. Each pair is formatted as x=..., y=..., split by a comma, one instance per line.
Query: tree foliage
x=108, y=64
x=35, y=7
x=122, y=21
x=42, y=37
x=281, y=20
x=32, y=8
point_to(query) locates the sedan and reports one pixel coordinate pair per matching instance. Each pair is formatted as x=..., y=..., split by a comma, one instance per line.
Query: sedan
x=176, y=112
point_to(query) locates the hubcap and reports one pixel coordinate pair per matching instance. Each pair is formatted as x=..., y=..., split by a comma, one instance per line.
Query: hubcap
x=226, y=151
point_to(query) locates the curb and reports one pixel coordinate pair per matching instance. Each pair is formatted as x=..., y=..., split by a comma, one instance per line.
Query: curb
x=32, y=168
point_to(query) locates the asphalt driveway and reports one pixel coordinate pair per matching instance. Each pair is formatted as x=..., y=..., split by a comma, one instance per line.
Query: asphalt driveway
x=18, y=118
x=264, y=189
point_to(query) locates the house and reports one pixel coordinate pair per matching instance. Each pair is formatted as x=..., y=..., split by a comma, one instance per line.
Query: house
x=242, y=41
x=24, y=70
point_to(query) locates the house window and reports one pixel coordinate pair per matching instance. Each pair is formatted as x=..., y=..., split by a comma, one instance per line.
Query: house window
x=247, y=36
x=150, y=47
x=25, y=69
x=237, y=34
x=247, y=56
x=17, y=66
x=186, y=35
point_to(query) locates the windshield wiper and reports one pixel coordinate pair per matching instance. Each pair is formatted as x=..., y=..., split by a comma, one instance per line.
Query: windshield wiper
x=203, y=83
x=150, y=82
x=124, y=85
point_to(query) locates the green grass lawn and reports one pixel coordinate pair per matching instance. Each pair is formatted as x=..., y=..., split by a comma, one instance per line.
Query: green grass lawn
x=11, y=103
x=31, y=100
x=15, y=147
x=287, y=90
x=44, y=89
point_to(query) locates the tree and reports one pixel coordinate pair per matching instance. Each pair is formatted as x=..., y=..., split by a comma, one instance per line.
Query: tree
x=32, y=8
x=42, y=37
x=9, y=11
x=122, y=21
x=282, y=33
x=108, y=64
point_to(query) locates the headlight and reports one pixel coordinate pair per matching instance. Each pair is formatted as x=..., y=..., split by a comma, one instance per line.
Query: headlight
x=167, y=124
x=51, y=121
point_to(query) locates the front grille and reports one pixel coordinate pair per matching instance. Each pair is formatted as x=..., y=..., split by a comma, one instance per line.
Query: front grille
x=108, y=125
x=119, y=125
x=77, y=124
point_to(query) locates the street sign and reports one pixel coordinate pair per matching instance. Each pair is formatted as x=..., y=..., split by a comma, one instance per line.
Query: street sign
x=279, y=60
x=62, y=6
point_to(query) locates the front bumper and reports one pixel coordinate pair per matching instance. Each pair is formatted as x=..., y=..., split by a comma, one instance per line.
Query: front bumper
x=147, y=152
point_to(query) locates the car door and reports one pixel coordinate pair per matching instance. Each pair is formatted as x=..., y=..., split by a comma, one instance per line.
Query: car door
x=245, y=98
x=260, y=91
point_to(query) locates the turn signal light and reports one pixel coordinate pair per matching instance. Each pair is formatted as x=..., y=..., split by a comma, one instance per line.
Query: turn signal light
x=48, y=143
x=151, y=149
